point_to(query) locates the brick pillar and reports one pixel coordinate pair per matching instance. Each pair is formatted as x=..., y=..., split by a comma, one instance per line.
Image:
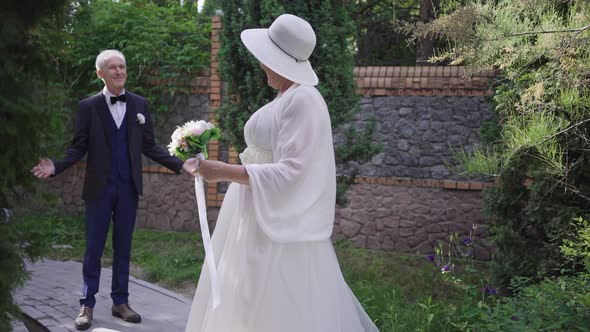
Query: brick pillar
x=214, y=199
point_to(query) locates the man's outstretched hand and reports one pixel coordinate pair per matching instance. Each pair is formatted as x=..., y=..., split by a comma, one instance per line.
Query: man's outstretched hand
x=44, y=169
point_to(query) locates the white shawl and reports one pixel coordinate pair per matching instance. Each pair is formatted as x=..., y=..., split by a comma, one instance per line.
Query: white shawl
x=294, y=196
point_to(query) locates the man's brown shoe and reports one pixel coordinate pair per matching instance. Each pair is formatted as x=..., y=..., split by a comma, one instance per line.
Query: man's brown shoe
x=84, y=319
x=124, y=312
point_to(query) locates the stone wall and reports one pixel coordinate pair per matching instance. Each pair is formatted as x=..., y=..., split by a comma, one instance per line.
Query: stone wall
x=406, y=199
x=410, y=219
x=420, y=133
x=182, y=108
x=168, y=202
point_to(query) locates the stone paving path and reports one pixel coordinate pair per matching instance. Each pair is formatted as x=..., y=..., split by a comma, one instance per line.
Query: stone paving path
x=18, y=326
x=51, y=297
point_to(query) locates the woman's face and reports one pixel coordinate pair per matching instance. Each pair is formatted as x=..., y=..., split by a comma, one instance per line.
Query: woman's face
x=275, y=80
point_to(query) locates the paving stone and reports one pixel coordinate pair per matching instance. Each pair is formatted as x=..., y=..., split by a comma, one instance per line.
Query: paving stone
x=51, y=297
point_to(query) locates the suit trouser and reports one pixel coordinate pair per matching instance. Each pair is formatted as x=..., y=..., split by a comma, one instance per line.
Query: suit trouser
x=118, y=202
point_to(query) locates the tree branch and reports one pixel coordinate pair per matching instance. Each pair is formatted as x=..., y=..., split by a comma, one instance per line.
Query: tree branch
x=564, y=130
x=76, y=80
x=549, y=31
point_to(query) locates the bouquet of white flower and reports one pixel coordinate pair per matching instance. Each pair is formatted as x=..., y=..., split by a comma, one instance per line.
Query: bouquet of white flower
x=190, y=141
x=192, y=138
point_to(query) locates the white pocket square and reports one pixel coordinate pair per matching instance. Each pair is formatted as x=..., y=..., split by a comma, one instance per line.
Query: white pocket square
x=140, y=118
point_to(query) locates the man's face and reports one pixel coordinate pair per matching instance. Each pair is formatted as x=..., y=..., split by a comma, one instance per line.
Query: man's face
x=114, y=74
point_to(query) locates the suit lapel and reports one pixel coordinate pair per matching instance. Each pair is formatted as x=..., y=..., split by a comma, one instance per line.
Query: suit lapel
x=130, y=115
x=105, y=115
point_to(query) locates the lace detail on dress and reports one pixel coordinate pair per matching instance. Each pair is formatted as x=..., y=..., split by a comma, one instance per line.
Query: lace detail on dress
x=256, y=155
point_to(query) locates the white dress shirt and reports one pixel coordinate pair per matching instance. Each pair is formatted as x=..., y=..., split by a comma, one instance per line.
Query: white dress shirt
x=117, y=109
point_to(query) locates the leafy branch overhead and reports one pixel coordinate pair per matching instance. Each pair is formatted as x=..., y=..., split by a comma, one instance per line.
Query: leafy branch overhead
x=164, y=46
x=541, y=48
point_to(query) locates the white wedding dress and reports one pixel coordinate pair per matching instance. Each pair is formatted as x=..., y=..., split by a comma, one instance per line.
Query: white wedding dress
x=276, y=266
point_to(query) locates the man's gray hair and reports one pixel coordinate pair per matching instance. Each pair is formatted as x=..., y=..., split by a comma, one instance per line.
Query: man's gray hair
x=105, y=55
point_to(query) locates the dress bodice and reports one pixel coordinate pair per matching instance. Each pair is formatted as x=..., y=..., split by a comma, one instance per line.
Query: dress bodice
x=258, y=133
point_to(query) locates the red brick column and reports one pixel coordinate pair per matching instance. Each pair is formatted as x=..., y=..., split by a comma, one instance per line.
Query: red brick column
x=213, y=197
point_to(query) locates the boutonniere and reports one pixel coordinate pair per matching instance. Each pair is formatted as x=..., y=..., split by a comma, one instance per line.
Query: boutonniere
x=140, y=118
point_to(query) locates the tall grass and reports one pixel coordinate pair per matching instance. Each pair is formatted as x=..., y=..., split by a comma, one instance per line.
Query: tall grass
x=400, y=292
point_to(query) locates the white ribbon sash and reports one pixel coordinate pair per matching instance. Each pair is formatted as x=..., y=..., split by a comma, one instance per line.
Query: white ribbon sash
x=209, y=257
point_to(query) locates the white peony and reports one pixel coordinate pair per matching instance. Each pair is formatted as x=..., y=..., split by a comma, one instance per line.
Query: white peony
x=196, y=128
x=172, y=148
x=177, y=135
x=191, y=128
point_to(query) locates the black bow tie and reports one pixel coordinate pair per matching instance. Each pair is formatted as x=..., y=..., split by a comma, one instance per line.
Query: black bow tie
x=122, y=98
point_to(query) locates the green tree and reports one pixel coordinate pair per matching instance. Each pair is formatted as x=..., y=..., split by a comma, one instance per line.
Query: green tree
x=210, y=6
x=541, y=146
x=165, y=46
x=32, y=117
x=377, y=43
x=332, y=59
x=425, y=47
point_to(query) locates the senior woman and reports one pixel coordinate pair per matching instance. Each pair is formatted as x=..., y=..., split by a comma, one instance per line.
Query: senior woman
x=276, y=266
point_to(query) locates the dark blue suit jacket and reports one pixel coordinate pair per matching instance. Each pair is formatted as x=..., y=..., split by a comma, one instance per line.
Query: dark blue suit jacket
x=93, y=136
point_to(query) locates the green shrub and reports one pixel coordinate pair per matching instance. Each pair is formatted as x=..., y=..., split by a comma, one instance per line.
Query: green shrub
x=533, y=220
x=539, y=148
x=31, y=123
x=554, y=304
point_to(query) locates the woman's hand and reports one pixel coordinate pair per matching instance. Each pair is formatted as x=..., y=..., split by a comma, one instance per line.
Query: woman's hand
x=212, y=170
x=216, y=171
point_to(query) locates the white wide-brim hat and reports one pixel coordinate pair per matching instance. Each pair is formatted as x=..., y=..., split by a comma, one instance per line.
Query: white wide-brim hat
x=285, y=48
